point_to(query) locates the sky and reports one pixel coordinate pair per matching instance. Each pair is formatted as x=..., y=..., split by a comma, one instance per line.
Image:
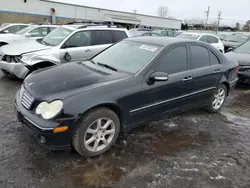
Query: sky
x=232, y=11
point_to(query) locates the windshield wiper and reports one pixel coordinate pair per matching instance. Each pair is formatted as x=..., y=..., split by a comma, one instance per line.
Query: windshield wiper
x=107, y=66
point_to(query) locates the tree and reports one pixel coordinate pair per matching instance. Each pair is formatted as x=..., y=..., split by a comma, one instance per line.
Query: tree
x=162, y=11
x=238, y=26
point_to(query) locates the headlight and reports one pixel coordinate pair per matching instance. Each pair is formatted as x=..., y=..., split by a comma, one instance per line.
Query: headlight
x=49, y=110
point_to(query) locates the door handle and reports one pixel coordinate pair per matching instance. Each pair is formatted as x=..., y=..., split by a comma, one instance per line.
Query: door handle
x=217, y=71
x=88, y=50
x=188, y=78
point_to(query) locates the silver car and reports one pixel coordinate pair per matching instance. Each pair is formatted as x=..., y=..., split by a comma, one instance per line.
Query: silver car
x=32, y=31
x=12, y=27
x=65, y=44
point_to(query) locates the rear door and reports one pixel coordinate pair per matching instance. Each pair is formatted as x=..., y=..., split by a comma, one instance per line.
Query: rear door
x=170, y=95
x=206, y=71
x=77, y=47
x=101, y=39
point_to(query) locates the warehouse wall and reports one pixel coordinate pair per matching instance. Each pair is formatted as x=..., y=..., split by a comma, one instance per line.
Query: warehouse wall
x=37, y=10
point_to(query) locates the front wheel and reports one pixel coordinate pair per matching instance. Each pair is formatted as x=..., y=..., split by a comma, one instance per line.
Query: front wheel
x=218, y=98
x=96, y=133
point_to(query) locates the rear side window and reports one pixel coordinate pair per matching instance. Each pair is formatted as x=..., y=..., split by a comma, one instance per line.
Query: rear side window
x=200, y=57
x=100, y=37
x=203, y=38
x=212, y=39
x=174, y=61
x=120, y=35
x=213, y=59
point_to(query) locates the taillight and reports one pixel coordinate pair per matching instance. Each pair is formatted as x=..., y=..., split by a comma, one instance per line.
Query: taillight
x=237, y=70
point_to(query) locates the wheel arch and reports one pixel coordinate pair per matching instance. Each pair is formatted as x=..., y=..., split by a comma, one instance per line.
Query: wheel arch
x=2, y=43
x=42, y=64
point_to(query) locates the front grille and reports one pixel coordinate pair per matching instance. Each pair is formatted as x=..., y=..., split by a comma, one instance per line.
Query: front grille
x=26, y=99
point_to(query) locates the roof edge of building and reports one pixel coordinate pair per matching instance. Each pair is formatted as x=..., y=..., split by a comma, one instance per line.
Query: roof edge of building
x=70, y=4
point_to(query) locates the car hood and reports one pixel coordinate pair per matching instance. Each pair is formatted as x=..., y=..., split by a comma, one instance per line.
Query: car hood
x=22, y=47
x=10, y=37
x=69, y=79
x=233, y=44
x=243, y=59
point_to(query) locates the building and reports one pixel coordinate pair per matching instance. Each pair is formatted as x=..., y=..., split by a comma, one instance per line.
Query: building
x=27, y=11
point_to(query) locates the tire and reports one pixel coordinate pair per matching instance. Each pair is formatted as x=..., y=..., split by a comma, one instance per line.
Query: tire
x=212, y=107
x=89, y=123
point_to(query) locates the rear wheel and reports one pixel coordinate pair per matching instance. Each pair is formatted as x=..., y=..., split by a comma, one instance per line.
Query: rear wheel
x=96, y=133
x=217, y=99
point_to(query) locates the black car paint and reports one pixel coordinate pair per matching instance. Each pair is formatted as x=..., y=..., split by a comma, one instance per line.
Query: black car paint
x=85, y=86
x=244, y=64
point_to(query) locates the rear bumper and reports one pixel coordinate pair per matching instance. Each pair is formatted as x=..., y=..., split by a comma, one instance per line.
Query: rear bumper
x=41, y=129
x=17, y=69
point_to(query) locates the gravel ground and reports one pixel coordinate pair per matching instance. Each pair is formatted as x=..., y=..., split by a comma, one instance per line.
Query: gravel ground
x=191, y=150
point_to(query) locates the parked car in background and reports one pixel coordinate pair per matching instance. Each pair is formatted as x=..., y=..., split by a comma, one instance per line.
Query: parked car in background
x=204, y=37
x=12, y=27
x=178, y=32
x=138, y=29
x=143, y=33
x=242, y=55
x=86, y=104
x=222, y=36
x=234, y=40
x=166, y=33
x=65, y=44
x=32, y=31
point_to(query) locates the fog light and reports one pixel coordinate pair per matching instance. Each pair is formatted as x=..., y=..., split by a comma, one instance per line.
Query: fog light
x=42, y=139
x=60, y=129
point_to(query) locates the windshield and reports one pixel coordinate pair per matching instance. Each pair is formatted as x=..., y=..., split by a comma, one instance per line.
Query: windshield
x=244, y=48
x=128, y=56
x=55, y=37
x=188, y=36
x=236, y=38
x=25, y=30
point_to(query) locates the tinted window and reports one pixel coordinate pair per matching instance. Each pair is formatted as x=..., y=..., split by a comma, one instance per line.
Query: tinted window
x=174, y=61
x=79, y=39
x=200, y=57
x=203, y=38
x=101, y=37
x=213, y=59
x=120, y=35
x=164, y=33
x=212, y=39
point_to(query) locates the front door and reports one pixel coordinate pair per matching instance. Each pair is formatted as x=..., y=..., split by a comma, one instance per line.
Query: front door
x=77, y=47
x=171, y=95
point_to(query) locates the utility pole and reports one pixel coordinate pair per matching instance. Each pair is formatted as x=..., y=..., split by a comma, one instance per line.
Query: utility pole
x=207, y=15
x=218, y=24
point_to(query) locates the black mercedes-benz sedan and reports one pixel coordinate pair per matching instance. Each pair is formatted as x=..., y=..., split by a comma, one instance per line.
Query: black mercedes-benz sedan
x=85, y=105
x=242, y=55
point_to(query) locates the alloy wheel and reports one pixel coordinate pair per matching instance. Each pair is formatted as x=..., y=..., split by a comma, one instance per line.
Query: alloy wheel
x=219, y=98
x=99, y=134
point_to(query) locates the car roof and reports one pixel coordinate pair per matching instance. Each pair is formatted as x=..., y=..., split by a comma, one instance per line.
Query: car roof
x=92, y=26
x=162, y=41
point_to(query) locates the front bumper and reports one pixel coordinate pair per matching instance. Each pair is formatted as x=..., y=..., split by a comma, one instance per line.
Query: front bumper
x=17, y=69
x=41, y=129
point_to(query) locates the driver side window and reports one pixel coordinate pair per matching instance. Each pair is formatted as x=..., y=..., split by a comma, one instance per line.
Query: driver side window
x=79, y=39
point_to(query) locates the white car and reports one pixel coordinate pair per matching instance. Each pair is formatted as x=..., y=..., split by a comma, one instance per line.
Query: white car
x=12, y=27
x=204, y=37
x=32, y=31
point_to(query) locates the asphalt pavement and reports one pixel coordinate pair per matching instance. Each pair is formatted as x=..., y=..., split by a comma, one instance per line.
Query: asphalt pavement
x=192, y=150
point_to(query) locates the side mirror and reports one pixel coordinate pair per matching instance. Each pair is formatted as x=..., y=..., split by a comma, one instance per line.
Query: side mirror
x=6, y=31
x=158, y=77
x=27, y=35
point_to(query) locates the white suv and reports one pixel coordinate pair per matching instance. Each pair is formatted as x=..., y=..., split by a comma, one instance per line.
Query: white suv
x=204, y=37
x=65, y=44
